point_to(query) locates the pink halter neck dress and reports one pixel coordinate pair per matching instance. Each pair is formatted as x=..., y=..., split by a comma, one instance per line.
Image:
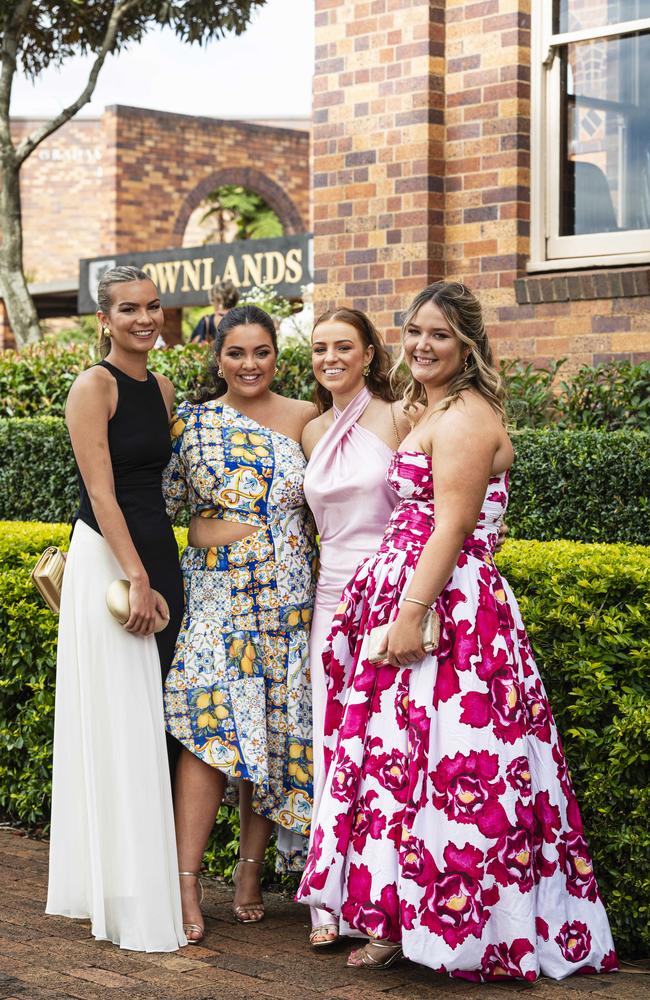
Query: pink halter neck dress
x=346, y=488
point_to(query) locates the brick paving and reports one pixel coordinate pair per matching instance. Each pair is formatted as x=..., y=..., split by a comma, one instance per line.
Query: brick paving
x=52, y=958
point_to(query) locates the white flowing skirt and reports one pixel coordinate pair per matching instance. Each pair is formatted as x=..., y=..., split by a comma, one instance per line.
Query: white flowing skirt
x=112, y=844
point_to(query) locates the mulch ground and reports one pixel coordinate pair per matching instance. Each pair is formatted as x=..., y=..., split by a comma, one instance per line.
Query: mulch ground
x=52, y=958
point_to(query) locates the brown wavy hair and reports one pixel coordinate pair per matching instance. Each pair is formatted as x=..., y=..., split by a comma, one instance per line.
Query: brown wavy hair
x=378, y=378
x=463, y=313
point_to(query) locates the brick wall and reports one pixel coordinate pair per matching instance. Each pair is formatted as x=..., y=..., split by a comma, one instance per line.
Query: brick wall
x=165, y=165
x=421, y=166
x=378, y=132
x=64, y=188
x=130, y=181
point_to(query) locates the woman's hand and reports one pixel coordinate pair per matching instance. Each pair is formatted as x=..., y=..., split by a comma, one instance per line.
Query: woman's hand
x=503, y=533
x=143, y=606
x=405, y=637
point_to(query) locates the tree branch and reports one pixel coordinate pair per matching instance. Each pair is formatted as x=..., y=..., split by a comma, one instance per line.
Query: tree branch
x=8, y=55
x=30, y=142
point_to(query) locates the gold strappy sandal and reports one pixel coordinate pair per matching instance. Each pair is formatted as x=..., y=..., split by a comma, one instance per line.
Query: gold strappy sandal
x=194, y=928
x=243, y=907
x=392, y=953
x=324, y=929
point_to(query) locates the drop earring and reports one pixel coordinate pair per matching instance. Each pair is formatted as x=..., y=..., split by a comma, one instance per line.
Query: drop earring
x=466, y=365
x=366, y=370
x=220, y=371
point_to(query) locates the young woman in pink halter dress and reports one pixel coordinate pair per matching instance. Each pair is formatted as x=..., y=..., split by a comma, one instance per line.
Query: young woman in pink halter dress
x=349, y=447
x=448, y=829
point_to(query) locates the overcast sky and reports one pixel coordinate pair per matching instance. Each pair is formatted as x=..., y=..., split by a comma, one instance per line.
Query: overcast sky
x=265, y=72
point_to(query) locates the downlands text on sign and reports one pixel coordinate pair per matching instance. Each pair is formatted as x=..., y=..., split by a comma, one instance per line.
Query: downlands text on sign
x=185, y=275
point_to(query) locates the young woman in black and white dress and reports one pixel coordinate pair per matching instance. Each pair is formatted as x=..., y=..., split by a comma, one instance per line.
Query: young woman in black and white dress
x=112, y=849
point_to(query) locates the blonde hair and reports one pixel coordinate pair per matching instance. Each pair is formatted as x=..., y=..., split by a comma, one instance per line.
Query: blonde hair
x=114, y=276
x=463, y=313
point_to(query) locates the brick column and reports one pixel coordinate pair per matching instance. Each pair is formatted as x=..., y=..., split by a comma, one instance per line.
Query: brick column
x=487, y=154
x=378, y=154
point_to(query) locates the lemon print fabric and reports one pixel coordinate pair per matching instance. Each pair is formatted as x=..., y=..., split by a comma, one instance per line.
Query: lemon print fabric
x=238, y=694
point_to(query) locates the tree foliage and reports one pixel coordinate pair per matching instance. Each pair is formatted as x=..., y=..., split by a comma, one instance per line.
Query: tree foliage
x=231, y=203
x=35, y=35
x=53, y=32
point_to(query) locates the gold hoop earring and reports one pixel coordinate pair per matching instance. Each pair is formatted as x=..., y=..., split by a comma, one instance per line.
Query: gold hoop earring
x=366, y=370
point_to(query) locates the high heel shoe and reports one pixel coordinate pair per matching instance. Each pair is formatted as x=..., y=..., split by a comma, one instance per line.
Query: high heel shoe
x=386, y=952
x=244, y=907
x=194, y=928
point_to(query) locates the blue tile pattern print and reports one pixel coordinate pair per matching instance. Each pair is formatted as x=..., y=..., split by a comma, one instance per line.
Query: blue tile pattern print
x=238, y=694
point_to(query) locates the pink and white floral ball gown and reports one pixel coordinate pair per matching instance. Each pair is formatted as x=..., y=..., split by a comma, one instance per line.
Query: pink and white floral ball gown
x=448, y=819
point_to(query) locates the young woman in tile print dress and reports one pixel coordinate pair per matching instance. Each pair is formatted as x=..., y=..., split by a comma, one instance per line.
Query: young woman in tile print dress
x=237, y=697
x=349, y=447
x=448, y=829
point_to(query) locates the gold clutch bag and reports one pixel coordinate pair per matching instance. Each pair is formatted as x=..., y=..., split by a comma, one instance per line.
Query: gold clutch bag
x=47, y=577
x=117, y=602
x=430, y=637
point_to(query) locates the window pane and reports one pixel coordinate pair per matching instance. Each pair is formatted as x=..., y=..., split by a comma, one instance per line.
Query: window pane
x=576, y=15
x=605, y=149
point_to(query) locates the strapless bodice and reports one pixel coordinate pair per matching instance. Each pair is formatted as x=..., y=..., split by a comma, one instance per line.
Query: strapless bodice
x=413, y=519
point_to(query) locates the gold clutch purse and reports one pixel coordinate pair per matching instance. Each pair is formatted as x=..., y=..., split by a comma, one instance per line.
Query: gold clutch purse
x=47, y=577
x=430, y=637
x=117, y=602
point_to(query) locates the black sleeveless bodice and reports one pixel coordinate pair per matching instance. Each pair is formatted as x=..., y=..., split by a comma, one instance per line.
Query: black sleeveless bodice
x=140, y=447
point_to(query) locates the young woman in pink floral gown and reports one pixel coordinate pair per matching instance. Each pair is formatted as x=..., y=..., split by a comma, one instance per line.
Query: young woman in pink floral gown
x=448, y=829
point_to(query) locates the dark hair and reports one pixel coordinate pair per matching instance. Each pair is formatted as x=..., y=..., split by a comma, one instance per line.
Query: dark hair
x=114, y=276
x=215, y=385
x=224, y=292
x=377, y=378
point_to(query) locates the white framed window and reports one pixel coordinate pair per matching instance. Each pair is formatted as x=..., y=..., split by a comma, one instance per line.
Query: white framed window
x=590, y=133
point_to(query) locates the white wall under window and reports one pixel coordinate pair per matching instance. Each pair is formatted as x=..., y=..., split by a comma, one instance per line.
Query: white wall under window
x=590, y=133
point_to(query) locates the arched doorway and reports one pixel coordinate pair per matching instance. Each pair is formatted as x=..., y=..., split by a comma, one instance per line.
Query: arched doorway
x=246, y=177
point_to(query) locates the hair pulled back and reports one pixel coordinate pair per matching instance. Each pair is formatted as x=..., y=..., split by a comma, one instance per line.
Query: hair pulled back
x=463, y=313
x=215, y=385
x=114, y=276
x=377, y=379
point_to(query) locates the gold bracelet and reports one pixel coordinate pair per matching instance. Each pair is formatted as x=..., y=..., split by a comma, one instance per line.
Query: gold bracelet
x=414, y=600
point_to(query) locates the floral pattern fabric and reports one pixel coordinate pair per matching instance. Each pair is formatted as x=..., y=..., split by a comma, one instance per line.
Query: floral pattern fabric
x=448, y=820
x=237, y=694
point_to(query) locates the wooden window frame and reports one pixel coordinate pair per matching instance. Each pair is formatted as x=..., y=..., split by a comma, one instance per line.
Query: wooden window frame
x=549, y=250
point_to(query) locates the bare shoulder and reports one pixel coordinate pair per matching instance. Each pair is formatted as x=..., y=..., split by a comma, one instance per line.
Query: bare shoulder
x=405, y=420
x=468, y=417
x=303, y=407
x=92, y=396
x=299, y=410
x=95, y=382
x=314, y=430
x=167, y=389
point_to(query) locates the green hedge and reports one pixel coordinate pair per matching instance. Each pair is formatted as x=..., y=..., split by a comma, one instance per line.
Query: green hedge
x=36, y=382
x=589, y=486
x=586, y=609
x=583, y=485
x=610, y=396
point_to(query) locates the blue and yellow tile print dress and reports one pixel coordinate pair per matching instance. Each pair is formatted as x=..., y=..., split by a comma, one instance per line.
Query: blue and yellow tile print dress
x=238, y=692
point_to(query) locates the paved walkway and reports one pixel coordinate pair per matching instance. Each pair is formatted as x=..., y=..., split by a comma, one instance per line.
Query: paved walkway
x=51, y=958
